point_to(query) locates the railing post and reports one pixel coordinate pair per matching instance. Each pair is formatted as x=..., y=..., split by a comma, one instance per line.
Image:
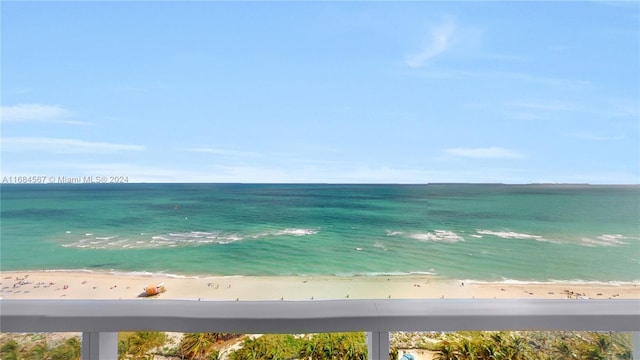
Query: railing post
x=99, y=345
x=636, y=344
x=378, y=345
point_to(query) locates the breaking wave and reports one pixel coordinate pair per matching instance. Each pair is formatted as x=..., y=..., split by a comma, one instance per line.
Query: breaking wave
x=178, y=239
x=605, y=240
x=437, y=235
x=510, y=235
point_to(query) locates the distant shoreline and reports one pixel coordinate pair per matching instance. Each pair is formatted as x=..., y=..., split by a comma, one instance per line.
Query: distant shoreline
x=76, y=183
x=104, y=285
x=432, y=277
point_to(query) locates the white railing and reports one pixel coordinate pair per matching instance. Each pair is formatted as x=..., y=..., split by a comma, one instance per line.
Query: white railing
x=100, y=320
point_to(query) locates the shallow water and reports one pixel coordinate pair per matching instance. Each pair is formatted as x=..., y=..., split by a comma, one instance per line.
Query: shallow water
x=479, y=232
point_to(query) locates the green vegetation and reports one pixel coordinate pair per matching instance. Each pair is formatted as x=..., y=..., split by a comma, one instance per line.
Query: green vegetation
x=40, y=349
x=502, y=345
x=201, y=346
x=532, y=346
x=273, y=346
x=347, y=346
x=336, y=346
x=137, y=345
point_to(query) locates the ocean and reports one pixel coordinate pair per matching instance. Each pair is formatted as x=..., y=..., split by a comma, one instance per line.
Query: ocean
x=493, y=233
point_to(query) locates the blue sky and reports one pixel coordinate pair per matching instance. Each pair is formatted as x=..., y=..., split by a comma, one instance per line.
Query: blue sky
x=338, y=92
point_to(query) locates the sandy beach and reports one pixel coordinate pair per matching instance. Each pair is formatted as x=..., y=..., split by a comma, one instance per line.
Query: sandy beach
x=104, y=285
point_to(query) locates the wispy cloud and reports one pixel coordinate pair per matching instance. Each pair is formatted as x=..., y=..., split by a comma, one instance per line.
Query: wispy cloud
x=598, y=106
x=552, y=105
x=622, y=107
x=542, y=109
x=492, y=152
x=221, y=152
x=445, y=73
x=586, y=135
x=63, y=146
x=134, y=172
x=37, y=112
x=440, y=39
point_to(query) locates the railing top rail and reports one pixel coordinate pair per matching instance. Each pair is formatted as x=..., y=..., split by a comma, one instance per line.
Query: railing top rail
x=317, y=315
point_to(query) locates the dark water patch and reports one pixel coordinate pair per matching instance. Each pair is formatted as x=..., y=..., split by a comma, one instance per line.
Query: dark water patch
x=38, y=213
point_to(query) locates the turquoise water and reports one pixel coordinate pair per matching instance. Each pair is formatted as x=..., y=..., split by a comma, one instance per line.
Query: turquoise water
x=477, y=232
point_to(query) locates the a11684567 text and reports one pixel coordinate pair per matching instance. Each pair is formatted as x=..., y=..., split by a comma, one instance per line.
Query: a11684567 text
x=38, y=179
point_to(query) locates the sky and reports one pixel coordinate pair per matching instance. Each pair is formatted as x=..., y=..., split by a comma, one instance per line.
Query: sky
x=322, y=92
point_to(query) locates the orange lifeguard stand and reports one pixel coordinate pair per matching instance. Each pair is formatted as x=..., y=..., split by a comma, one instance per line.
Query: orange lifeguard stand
x=155, y=289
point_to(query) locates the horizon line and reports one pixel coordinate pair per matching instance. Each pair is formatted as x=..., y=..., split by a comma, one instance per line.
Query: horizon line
x=323, y=183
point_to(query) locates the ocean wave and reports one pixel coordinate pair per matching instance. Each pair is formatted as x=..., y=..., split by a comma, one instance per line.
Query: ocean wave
x=148, y=274
x=380, y=245
x=178, y=239
x=550, y=281
x=438, y=236
x=391, y=273
x=511, y=235
x=296, y=232
x=605, y=240
x=430, y=272
x=435, y=235
x=394, y=233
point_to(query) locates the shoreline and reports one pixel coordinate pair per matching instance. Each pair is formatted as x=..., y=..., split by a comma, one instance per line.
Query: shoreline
x=87, y=284
x=432, y=276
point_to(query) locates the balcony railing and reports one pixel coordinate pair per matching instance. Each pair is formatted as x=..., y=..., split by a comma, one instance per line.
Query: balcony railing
x=100, y=320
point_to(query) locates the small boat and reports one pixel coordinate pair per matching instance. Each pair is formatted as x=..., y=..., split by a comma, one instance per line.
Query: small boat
x=155, y=289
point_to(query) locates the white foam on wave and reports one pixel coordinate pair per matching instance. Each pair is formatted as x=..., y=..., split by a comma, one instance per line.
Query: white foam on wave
x=191, y=234
x=394, y=233
x=98, y=242
x=511, y=235
x=158, y=274
x=605, y=240
x=380, y=245
x=391, y=273
x=137, y=273
x=296, y=232
x=507, y=281
x=176, y=239
x=200, y=238
x=437, y=236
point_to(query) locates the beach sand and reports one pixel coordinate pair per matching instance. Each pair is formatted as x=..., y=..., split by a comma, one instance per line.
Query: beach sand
x=105, y=285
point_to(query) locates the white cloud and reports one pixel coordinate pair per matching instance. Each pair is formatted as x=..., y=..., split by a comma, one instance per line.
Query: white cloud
x=37, y=112
x=25, y=112
x=552, y=105
x=440, y=40
x=133, y=172
x=445, y=73
x=542, y=109
x=221, y=152
x=622, y=107
x=586, y=135
x=63, y=146
x=493, y=152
